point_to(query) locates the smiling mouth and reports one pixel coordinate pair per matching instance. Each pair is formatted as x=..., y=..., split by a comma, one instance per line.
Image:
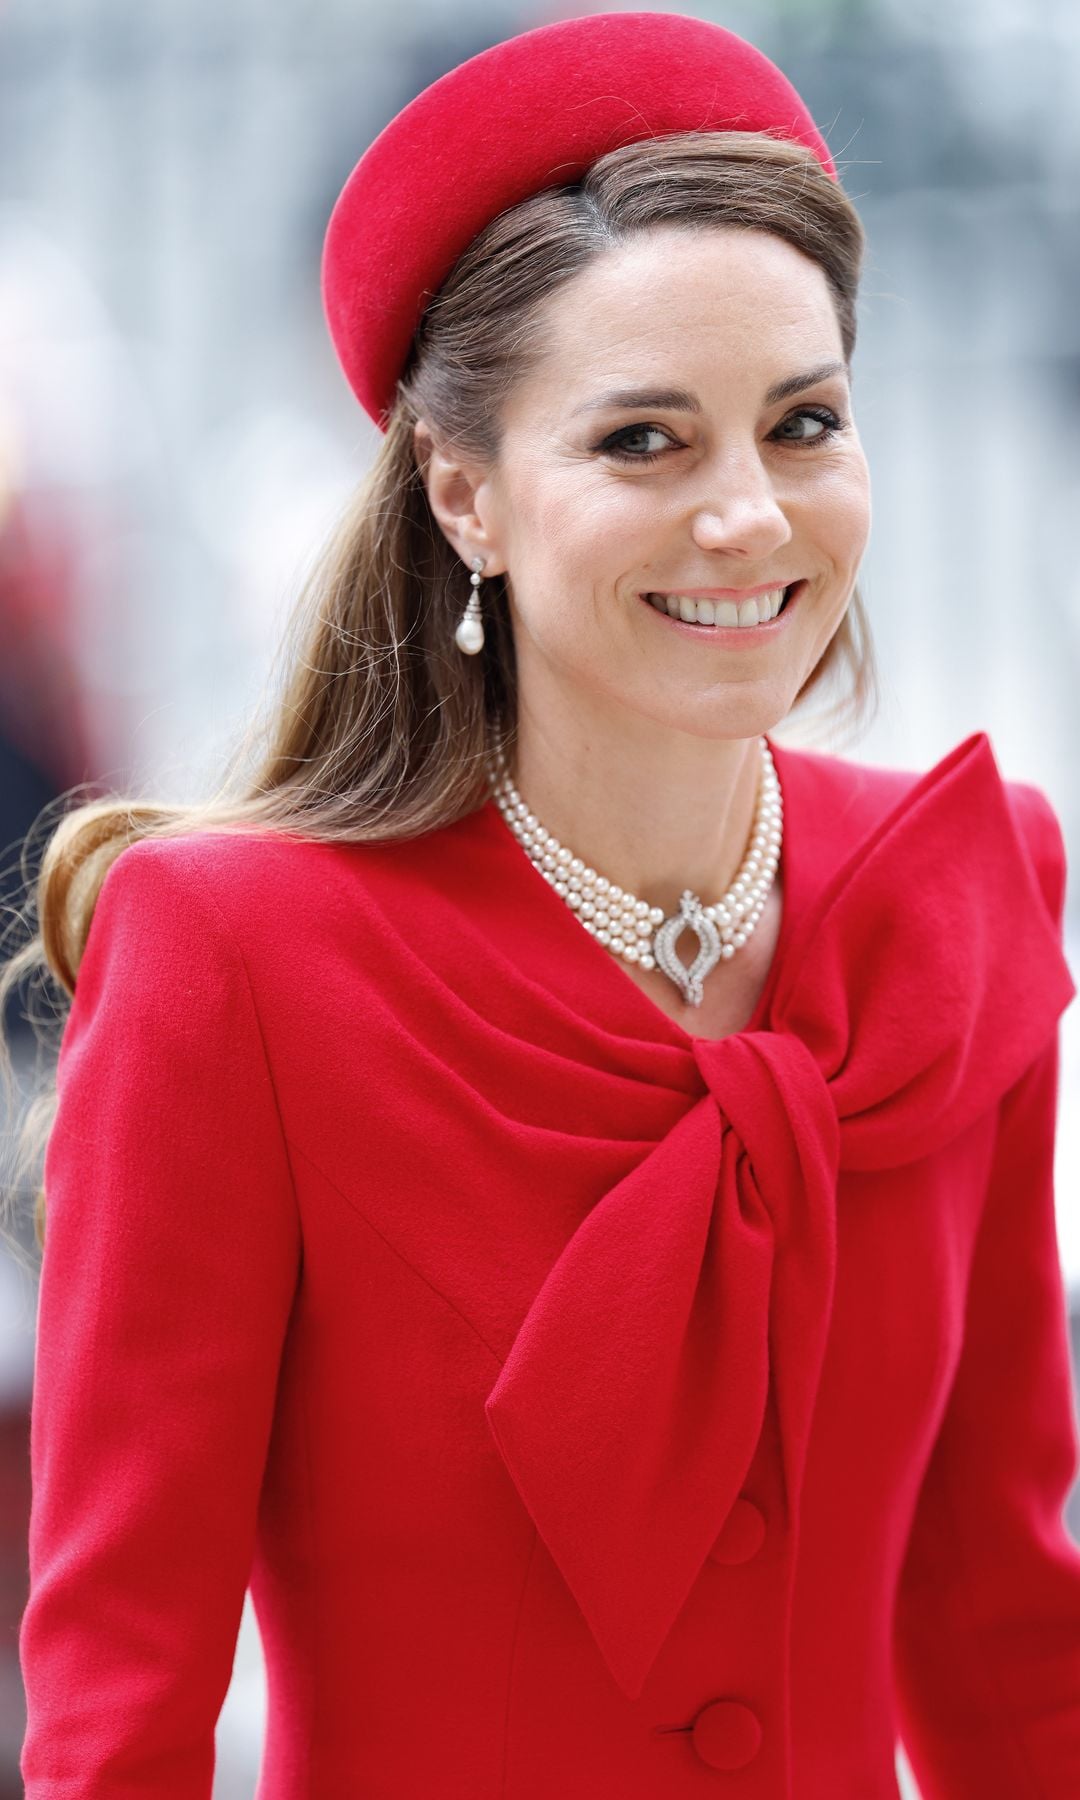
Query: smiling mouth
x=729, y=617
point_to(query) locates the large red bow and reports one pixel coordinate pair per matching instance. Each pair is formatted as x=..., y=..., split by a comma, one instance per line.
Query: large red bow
x=916, y=991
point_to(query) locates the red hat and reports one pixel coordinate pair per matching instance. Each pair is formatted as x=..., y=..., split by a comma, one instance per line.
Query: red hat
x=531, y=113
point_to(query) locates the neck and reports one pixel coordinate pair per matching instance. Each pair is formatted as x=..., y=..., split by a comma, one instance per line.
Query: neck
x=656, y=812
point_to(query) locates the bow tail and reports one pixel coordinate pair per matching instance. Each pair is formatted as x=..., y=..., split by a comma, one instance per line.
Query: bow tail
x=630, y=1405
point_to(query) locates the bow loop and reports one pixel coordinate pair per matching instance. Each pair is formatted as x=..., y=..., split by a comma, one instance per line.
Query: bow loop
x=931, y=971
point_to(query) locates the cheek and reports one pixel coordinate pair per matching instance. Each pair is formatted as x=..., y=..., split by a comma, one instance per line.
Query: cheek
x=831, y=517
x=573, y=522
x=847, y=508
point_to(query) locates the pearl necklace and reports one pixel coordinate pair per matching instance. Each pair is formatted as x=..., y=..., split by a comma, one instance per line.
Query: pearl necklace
x=630, y=927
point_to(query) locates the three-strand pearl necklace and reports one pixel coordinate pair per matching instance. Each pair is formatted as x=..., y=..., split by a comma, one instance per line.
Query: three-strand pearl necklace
x=630, y=927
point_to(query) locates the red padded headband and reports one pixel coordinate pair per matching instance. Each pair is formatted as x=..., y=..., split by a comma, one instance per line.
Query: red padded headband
x=531, y=113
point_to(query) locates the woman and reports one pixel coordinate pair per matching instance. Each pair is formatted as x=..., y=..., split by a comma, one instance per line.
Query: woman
x=549, y=1183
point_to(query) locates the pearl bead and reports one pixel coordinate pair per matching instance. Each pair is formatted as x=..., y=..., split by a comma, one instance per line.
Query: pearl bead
x=619, y=920
x=469, y=636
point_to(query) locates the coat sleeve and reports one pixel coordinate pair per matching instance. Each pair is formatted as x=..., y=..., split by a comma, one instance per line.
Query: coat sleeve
x=987, y=1627
x=171, y=1256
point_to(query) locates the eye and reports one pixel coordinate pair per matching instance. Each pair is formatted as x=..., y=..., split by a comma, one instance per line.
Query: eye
x=615, y=444
x=823, y=416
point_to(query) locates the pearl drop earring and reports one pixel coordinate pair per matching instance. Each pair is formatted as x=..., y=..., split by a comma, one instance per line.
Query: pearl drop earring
x=469, y=635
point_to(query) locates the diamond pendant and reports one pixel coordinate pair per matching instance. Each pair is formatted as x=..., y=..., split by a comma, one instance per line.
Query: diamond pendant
x=691, y=913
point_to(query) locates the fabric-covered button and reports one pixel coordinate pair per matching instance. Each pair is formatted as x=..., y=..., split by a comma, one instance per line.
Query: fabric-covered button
x=726, y=1734
x=741, y=1535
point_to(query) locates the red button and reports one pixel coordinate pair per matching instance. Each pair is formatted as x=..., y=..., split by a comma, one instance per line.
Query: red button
x=742, y=1534
x=726, y=1734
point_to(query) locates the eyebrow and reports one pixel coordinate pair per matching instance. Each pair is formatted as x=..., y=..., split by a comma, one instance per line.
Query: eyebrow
x=682, y=400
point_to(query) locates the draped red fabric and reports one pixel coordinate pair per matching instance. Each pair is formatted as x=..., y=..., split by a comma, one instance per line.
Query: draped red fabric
x=586, y=1403
x=631, y=1402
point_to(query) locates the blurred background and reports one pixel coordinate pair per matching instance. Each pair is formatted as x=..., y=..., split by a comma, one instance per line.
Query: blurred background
x=176, y=437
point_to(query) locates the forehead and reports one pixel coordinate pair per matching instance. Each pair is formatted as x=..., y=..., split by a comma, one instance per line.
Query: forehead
x=721, y=302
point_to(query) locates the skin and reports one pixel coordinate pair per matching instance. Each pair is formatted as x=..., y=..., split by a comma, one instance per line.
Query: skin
x=637, y=745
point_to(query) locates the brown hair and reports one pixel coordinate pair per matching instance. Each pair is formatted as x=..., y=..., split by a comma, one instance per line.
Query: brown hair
x=375, y=725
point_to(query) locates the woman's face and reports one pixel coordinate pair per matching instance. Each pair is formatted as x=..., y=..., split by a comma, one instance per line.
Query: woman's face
x=644, y=455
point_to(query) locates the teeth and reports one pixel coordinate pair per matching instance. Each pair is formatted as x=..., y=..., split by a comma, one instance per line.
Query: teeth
x=720, y=612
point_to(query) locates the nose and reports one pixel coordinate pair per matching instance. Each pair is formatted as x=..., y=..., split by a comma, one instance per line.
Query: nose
x=740, y=512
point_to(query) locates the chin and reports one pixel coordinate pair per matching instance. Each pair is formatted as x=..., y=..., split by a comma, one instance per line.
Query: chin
x=719, y=717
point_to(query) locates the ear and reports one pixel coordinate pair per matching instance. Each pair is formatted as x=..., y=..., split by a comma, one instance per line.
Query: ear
x=459, y=507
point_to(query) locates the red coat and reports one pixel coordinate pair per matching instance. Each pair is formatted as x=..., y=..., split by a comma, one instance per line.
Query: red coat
x=598, y=1411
